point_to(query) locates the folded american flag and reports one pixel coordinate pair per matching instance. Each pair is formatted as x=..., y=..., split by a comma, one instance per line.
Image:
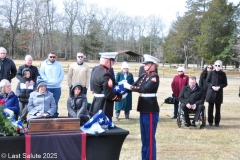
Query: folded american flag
x=119, y=89
x=99, y=119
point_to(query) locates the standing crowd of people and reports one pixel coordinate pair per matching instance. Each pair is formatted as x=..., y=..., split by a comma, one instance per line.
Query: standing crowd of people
x=38, y=91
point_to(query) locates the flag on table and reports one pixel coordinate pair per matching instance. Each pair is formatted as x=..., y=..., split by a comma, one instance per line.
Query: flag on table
x=98, y=123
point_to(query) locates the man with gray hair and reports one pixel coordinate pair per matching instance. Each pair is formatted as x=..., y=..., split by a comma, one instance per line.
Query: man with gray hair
x=7, y=66
x=179, y=81
x=33, y=78
x=28, y=64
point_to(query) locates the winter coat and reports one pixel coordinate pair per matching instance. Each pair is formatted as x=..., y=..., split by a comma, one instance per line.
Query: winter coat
x=179, y=81
x=216, y=78
x=203, y=84
x=77, y=106
x=23, y=91
x=12, y=103
x=34, y=73
x=126, y=103
x=41, y=103
x=195, y=96
x=8, y=69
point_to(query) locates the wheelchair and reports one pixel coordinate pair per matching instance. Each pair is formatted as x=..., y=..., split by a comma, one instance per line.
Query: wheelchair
x=201, y=121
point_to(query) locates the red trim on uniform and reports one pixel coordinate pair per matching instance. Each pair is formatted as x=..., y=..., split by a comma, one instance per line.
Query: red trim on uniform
x=150, y=136
x=28, y=145
x=83, y=146
x=114, y=97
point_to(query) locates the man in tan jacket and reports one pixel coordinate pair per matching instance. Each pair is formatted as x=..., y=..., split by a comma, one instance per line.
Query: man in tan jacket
x=79, y=72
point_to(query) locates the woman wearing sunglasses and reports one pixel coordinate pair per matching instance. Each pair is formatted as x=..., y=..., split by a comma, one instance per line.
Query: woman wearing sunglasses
x=203, y=76
x=216, y=81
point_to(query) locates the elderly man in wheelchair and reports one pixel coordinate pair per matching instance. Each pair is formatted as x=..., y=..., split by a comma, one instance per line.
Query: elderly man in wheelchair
x=191, y=100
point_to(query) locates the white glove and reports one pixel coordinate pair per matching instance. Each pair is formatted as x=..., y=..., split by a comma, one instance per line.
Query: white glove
x=122, y=82
x=124, y=95
x=9, y=112
x=127, y=86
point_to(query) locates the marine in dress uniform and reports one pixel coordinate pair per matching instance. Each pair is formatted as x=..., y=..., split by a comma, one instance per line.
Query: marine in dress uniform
x=147, y=85
x=102, y=86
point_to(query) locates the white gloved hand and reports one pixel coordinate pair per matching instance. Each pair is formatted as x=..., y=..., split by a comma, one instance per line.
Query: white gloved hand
x=122, y=82
x=124, y=95
x=127, y=86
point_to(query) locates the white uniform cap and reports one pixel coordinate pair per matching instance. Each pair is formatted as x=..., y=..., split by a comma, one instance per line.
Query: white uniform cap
x=109, y=55
x=125, y=65
x=150, y=59
x=181, y=69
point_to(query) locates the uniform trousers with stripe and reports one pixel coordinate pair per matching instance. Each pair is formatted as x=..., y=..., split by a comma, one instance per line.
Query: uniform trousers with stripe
x=148, y=127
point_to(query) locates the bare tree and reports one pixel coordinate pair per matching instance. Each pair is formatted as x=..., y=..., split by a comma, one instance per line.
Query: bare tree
x=71, y=9
x=12, y=11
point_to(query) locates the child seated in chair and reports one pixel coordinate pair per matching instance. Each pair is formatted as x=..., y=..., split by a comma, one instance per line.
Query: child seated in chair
x=191, y=98
x=77, y=104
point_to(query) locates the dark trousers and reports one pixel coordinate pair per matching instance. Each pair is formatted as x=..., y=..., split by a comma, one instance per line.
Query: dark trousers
x=148, y=127
x=176, y=108
x=83, y=119
x=217, y=113
x=198, y=110
x=23, y=111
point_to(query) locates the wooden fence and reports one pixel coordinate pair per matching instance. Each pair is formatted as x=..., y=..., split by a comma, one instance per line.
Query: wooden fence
x=162, y=71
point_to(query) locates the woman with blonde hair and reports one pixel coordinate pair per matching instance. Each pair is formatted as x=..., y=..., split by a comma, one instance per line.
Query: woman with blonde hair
x=216, y=81
x=9, y=97
x=126, y=103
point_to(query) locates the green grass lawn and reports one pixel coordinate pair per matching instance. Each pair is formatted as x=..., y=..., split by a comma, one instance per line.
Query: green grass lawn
x=210, y=143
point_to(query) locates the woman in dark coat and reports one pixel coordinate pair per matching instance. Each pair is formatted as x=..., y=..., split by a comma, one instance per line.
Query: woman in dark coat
x=77, y=104
x=126, y=103
x=216, y=81
x=202, y=81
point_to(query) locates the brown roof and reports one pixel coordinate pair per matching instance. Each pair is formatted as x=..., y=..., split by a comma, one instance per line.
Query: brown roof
x=131, y=53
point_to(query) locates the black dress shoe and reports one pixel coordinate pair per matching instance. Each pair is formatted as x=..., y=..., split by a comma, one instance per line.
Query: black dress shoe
x=210, y=124
x=174, y=117
x=186, y=124
x=216, y=125
x=193, y=124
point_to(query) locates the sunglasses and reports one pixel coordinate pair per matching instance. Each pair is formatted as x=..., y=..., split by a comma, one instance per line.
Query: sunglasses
x=52, y=57
x=180, y=71
x=209, y=67
x=80, y=56
x=217, y=66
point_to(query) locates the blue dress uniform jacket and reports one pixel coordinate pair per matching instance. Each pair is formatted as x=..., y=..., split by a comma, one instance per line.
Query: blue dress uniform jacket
x=147, y=83
x=102, y=84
